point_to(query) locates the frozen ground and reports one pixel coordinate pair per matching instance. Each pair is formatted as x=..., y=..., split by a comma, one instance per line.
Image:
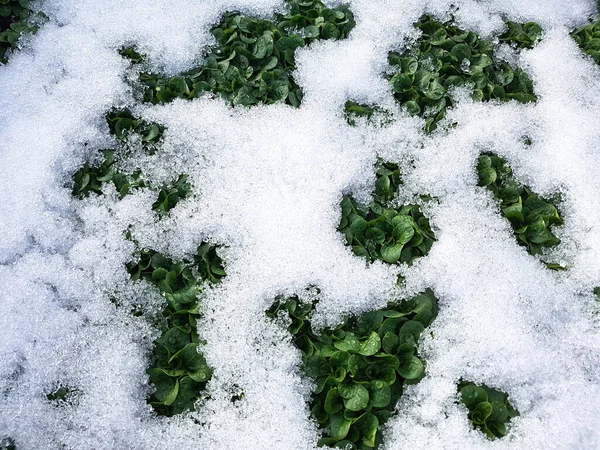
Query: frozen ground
x=267, y=184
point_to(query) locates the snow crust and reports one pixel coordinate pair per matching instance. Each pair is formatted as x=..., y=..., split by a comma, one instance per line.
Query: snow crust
x=267, y=184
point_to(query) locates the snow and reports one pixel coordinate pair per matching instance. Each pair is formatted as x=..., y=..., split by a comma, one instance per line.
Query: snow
x=267, y=185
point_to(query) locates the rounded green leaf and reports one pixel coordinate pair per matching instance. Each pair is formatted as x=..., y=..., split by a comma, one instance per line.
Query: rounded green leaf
x=471, y=395
x=411, y=368
x=380, y=394
x=356, y=397
x=338, y=426
x=404, y=231
x=371, y=345
x=367, y=426
x=461, y=51
x=391, y=253
x=333, y=402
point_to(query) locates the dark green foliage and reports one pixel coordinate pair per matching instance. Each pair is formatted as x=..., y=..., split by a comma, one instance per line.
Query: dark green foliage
x=378, y=232
x=597, y=292
x=179, y=372
x=360, y=366
x=253, y=58
x=14, y=15
x=531, y=216
x=353, y=109
x=7, y=444
x=169, y=196
x=588, y=39
x=446, y=56
x=522, y=35
x=489, y=409
x=121, y=124
x=90, y=178
x=61, y=395
x=131, y=54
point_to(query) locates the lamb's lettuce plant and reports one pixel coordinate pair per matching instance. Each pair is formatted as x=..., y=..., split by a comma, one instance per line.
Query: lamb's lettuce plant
x=489, y=409
x=360, y=366
x=521, y=35
x=62, y=395
x=170, y=195
x=14, y=22
x=531, y=216
x=179, y=372
x=91, y=177
x=445, y=57
x=253, y=59
x=380, y=232
x=588, y=39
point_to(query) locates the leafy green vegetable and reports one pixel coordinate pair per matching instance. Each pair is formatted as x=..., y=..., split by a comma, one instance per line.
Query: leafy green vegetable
x=522, y=35
x=378, y=232
x=89, y=178
x=63, y=394
x=588, y=39
x=446, y=56
x=179, y=372
x=14, y=22
x=169, y=196
x=489, y=409
x=531, y=216
x=121, y=124
x=360, y=366
x=253, y=59
x=131, y=54
x=353, y=109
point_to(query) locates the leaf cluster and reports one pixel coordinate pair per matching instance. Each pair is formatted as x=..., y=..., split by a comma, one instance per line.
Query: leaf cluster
x=179, y=372
x=531, y=216
x=588, y=39
x=353, y=109
x=378, y=232
x=61, y=395
x=90, y=178
x=446, y=56
x=519, y=35
x=121, y=124
x=253, y=59
x=489, y=409
x=360, y=366
x=14, y=15
x=170, y=195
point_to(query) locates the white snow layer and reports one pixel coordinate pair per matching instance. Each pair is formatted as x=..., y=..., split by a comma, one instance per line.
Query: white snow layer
x=267, y=184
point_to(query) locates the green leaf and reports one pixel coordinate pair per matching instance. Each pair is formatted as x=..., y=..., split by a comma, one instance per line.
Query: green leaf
x=403, y=230
x=367, y=426
x=338, y=426
x=167, y=387
x=333, y=402
x=389, y=342
x=380, y=394
x=411, y=368
x=174, y=339
x=355, y=396
x=472, y=395
x=371, y=345
x=391, y=253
